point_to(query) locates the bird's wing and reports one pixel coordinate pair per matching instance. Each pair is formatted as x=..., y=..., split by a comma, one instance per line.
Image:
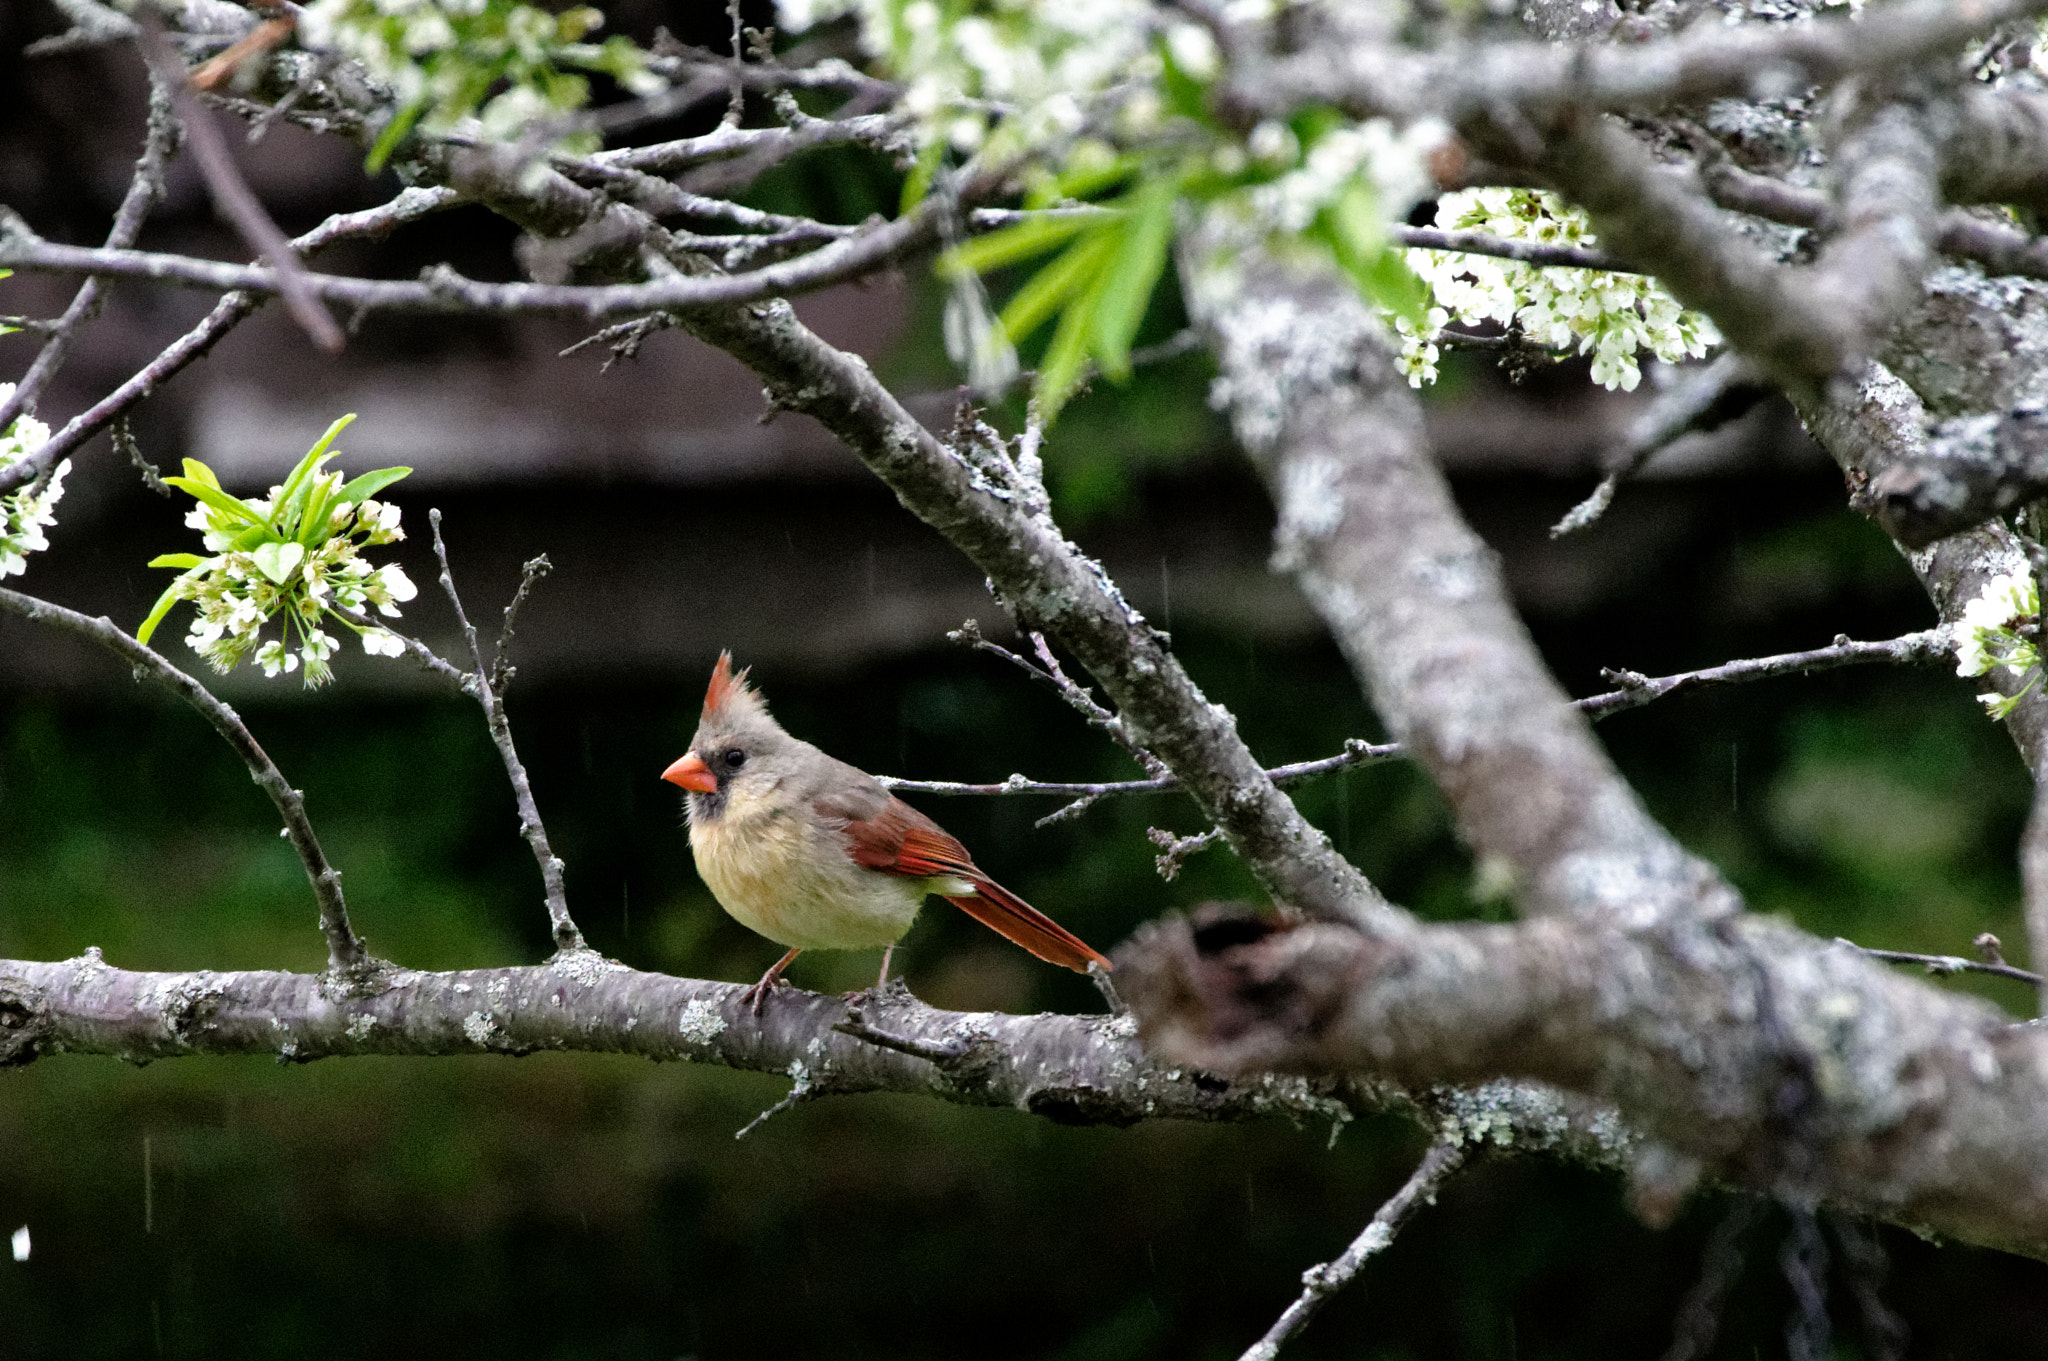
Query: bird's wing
x=900, y=840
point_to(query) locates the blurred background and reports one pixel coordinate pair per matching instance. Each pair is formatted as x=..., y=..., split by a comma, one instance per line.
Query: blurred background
x=569, y=1206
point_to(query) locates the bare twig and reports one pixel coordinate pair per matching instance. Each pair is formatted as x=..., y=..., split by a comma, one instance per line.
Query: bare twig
x=1506, y=248
x=800, y=1090
x=145, y=187
x=232, y=193
x=443, y=290
x=1320, y=1282
x=2034, y=882
x=1671, y=415
x=529, y=577
x=230, y=311
x=1943, y=966
x=1635, y=690
x=124, y=443
x=1699, y=1317
x=427, y=659
x=221, y=67
x=1047, y=672
x=567, y=937
x=1175, y=849
x=345, y=953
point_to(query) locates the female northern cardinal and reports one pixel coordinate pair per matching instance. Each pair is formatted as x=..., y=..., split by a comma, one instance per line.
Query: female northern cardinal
x=816, y=855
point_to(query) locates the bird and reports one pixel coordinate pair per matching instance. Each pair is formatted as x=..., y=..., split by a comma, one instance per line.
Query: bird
x=816, y=854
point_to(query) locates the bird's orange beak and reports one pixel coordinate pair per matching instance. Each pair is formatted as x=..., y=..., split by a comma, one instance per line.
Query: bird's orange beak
x=691, y=773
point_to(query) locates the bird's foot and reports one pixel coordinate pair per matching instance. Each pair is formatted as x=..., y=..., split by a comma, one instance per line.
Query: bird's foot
x=754, y=998
x=895, y=990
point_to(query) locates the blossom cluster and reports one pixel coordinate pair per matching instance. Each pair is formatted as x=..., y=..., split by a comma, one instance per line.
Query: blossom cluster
x=1989, y=636
x=1610, y=316
x=295, y=555
x=1025, y=71
x=27, y=513
x=493, y=68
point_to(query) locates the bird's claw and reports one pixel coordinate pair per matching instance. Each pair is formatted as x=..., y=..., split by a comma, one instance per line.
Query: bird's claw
x=755, y=997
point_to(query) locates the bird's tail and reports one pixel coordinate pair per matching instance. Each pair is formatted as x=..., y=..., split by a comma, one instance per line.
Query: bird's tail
x=1004, y=913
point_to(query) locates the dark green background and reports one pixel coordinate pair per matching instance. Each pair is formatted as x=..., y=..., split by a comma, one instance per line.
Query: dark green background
x=567, y=1206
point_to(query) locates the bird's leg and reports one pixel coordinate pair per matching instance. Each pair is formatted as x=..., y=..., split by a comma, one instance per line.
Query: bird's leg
x=753, y=997
x=883, y=981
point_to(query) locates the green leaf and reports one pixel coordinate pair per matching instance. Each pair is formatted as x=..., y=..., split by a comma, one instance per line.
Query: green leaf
x=278, y=560
x=1357, y=236
x=368, y=485
x=1128, y=282
x=1390, y=282
x=199, y=472
x=178, y=560
x=1185, y=95
x=215, y=497
x=1033, y=236
x=1059, y=373
x=1355, y=217
x=313, y=520
x=169, y=598
x=1084, y=181
x=252, y=536
x=919, y=182
x=394, y=133
x=1046, y=291
x=291, y=497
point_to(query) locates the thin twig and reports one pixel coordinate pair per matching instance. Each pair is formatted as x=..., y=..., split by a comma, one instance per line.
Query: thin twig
x=529, y=577
x=1943, y=966
x=230, y=311
x=221, y=67
x=1320, y=1282
x=145, y=188
x=1048, y=673
x=1669, y=416
x=567, y=937
x=856, y=1024
x=124, y=443
x=442, y=290
x=428, y=659
x=737, y=106
x=345, y=953
x=232, y=193
x=1636, y=690
x=800, y=1090
x=1175, y=849
x=1699, y=1317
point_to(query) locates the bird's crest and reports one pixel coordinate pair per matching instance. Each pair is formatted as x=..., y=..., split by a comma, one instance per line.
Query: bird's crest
x=729, y=697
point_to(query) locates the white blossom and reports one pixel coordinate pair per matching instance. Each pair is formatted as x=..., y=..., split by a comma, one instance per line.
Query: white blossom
x=1612, y=317
x=25, y=514
x=1988, y=636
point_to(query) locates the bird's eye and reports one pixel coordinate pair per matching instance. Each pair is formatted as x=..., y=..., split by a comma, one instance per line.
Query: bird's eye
x=735, y=758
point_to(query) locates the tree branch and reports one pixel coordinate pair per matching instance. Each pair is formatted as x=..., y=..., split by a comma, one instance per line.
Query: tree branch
x=346, y=957
x=1318, y=1283
x=410, y=205
x=1705, y=62
x=1414, y=598
x=1777, y=1061
x=145, y=188
x=488, y=690
x=1636, y=689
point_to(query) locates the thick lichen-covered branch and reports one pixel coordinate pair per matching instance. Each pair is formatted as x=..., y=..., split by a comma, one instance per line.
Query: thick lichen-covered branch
x=1415, y=598
x=1774, y=1060
x=1070, y=1069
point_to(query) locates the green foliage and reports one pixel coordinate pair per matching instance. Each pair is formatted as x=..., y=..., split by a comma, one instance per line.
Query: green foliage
x=294, y=553
x=500, y=62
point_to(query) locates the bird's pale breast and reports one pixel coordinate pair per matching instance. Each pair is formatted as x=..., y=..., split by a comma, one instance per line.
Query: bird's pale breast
x=793, y=882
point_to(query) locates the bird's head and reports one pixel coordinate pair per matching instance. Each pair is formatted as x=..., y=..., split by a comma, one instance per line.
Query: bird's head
x=737, y=743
